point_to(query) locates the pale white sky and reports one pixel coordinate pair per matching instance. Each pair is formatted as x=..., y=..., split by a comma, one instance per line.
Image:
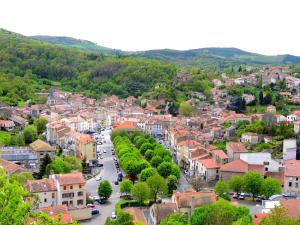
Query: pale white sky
x=262, y=26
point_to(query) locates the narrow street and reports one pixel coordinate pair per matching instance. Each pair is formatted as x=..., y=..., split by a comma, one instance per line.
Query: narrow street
x=108, y=172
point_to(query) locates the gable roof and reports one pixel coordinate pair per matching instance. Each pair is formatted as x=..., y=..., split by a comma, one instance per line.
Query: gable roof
x=10, y=167
x=71, y=178
x=209, y=163
x=238, y=165
x=236, y=146
x=59, y=212
x=43, y=185
x=292, y=206
x=40, y=146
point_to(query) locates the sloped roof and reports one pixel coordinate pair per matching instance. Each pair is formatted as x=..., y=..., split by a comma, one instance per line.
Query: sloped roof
x=292, y=168
x=41, y=146
x=58, y=212
x=239, y=166
x=43, y=185
x=71, y=178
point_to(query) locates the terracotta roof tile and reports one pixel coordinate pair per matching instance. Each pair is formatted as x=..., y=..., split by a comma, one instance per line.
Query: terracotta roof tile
x=292, y=168
x=58, y=212
x=236, y=146
x=71, y=178
x=10, y=167
x=209, y=163
x=220, y=153
x=43, y=185
x=239, y=166
x=292, y=206
x=184, y=199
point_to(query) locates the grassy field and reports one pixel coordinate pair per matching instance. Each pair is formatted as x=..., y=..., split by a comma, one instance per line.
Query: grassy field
x=4, y=137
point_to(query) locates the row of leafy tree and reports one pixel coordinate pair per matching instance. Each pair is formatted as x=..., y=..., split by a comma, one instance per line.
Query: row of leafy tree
x=132, y=148
x=252, y=182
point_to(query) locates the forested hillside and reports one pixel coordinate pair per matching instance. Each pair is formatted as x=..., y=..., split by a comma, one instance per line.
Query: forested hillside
x=28, y=65
x=217, y=58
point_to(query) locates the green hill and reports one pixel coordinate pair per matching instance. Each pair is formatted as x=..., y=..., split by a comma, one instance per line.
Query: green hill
x=28, y=65
x=216, y=57
x=78, y=44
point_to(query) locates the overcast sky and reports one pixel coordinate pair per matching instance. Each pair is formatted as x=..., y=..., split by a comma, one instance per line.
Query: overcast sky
x=262, y=26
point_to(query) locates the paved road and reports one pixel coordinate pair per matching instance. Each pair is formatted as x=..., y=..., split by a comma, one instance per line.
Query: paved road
x=109, y=173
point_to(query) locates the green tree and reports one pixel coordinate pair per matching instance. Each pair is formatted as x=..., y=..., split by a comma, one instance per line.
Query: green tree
x=252, y=183
x=46, y=160
x=186, y=109
x=146, y=173
x=278, y=216
x=140, y=192
x=58, y=165
x=149, y=154
x=155, y=161
x=175, y=219
x=172, y=183
x=126, y=186
x=104, y=189
x=21, y=177
x=146, y=146
x=236, y=183
x=13, y=209
x=40, y=124
x=222, y=189
x=158, y=186
x=201, y=215
x=30, y=134
x=165, y=169
x=270, y=186
x=123, y=218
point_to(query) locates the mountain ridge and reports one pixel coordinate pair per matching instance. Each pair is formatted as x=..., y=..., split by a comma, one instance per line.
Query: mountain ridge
x=221, y=57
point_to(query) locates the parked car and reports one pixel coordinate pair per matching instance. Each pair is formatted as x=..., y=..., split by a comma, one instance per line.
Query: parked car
x=101, y=200
x=235, y=195
x=120, y=179
x=116, y=182
x=113, y=215
x=113, y=153
x=104, y=151
x=90, y=206
x=242, y=196
x=98, y=178
x=95, y=211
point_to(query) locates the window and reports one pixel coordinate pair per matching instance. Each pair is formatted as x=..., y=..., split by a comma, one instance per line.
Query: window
x=79, y=185
x=296, y=185
x=53, y=195
x=296, y=178
x=80, y=193
x=290, y=184
x=266, y=169
x=65, y=203
x=68, y=195
x=80, y=202
x=65, y=187
x=71, y=202
x=45, y=200
x=71, y=187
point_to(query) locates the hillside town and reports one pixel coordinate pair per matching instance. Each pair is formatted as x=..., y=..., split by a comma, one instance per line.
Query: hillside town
x=79, y=147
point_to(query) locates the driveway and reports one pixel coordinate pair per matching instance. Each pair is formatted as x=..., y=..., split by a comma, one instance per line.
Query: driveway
x=109, y=172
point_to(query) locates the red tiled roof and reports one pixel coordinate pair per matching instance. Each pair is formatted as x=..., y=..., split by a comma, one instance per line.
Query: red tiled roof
x=10, y=167
x=250, y=134
x=209, y=163
x=126, y=125
x=239, y=166
x=220, y=153
x=189, y=143
x=236, y=146
x=58, y=212
x=43, y=185
x=292, y=168
x=292, y=206
x=71, y=178
x=258, y=218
